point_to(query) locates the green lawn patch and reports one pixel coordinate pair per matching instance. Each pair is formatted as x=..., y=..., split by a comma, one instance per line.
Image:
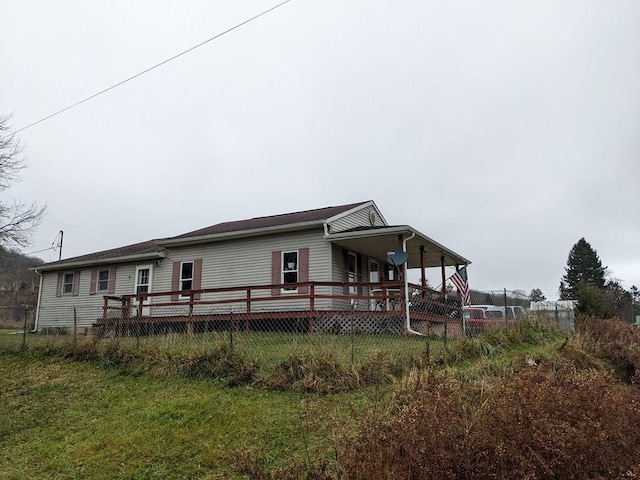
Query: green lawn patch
x=62, y=419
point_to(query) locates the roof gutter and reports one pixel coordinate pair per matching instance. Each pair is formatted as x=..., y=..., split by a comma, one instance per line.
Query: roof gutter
x=397, y=230
x=93, y=262
x=369, y=233
x=254, y=232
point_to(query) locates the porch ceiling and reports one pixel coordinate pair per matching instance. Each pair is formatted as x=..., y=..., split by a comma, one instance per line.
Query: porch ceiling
x=377, y=241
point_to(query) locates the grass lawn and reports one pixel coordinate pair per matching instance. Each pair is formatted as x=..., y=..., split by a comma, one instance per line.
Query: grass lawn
x=61, y=419
x=64, y=419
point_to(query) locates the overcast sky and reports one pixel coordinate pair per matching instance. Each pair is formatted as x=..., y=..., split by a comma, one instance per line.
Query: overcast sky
x=505, y=130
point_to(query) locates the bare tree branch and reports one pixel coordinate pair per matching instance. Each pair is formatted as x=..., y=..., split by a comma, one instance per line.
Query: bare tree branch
x=11, y=163
x=18, y=220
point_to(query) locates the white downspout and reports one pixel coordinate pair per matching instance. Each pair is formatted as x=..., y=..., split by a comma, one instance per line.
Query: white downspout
x=326, y=234
x=35, y=325
x=406, y=286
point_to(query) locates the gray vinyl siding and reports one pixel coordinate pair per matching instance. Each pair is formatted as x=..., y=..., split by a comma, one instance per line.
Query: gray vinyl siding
x=239, y=263
x=359, y=218
x=87, y=309
x=247, y=262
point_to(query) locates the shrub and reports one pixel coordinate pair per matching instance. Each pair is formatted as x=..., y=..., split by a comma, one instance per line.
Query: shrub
x=540, y=424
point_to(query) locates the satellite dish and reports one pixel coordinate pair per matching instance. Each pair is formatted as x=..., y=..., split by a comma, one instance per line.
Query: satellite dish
x=397, y=258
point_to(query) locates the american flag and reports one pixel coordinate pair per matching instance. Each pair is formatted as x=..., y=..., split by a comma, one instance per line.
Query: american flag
x=459, y=279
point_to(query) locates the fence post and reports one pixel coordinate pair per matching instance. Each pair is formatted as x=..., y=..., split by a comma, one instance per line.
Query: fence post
x=190, y=320
x=138, y=323
x=24, y=328
x=505, y=307
x=75, y=326
x=351, y=330
x=446, y=327
x=231, y=328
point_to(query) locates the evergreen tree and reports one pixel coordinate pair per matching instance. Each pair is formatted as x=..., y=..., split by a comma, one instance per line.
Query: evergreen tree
x=583, y=268
x=536, y=295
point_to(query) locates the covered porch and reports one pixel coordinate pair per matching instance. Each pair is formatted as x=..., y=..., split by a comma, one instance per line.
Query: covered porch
x=422, y=252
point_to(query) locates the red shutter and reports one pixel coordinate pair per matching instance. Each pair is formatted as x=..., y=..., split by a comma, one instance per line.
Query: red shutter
x=197, y=277
x=94, y=281
x=76, y=283
x=59, y=287
x=175, y=281
x=111, y=286
x=303, y=269
x=276, y=271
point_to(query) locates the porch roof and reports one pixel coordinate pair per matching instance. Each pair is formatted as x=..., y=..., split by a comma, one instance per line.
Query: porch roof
x=378, y=241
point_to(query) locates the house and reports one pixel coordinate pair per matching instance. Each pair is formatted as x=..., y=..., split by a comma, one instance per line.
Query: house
x=330, y=259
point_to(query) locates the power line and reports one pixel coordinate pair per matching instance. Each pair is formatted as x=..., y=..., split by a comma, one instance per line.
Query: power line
x=40, y=251
x=153, y=67
x=92, y=230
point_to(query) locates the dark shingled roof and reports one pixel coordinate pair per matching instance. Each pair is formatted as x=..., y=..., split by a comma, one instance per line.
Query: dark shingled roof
x=271, y=221
x=152, y=246
x=149, y=246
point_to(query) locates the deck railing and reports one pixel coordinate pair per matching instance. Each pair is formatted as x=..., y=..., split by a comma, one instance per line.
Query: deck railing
x=380, y=296
x=382, y=299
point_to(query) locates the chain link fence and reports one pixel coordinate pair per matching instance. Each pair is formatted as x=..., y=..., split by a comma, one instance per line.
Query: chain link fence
x=505, y=307
x=266, y=336
x=407, y=332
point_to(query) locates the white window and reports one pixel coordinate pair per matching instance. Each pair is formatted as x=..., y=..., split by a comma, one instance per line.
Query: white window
x=352, y=272
x=143, y=279
x=289, y=269
x=102, y=284
x=67, y=283
x=186, y=275
x=374, y=272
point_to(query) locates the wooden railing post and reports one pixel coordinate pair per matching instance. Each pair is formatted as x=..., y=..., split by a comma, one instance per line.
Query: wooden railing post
x=312, y=297
x=248, y=300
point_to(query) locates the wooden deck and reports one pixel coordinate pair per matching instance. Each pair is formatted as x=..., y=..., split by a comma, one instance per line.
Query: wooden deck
x=381, y=312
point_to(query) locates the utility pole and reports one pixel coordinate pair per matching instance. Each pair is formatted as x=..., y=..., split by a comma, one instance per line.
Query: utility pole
x=60, y=245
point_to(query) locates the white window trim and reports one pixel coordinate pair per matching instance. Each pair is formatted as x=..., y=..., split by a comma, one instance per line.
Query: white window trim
x=73, y=280
x=106, y=289
x=143, y=267
x=283, y=271
x=353, y=289
x=180, y=279
x=377, y=270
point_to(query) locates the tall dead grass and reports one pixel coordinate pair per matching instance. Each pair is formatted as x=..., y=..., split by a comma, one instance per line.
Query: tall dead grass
x=614, y=341
x=539, y=424
x=565, y=415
